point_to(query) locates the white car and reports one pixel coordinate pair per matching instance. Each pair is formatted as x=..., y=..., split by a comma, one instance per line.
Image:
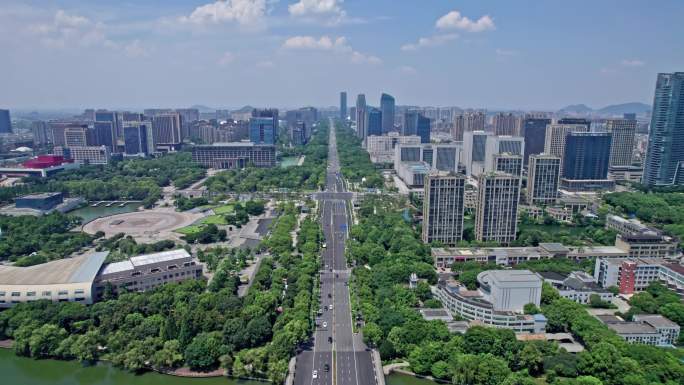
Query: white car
x=330, y=307
x=325, y=324
x=315, y=374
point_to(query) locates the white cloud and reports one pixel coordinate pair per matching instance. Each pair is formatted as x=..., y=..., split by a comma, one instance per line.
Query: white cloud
x=325, y=43
x=506, y=52
x=429, y=42
x=244, y=12
x=70, y=29
x=361, y=58
x=315, y=7
x=632, y=63
x=226, y=58
x=310, y=42
x=265, y=64
x=407, y=70
x=135, y=49
x=454, y=20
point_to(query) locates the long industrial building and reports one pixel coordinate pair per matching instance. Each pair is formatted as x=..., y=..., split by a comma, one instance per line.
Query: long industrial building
x=235, y=155
x=84, y=278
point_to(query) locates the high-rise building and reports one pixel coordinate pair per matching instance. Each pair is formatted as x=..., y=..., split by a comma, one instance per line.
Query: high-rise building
x=374, y=119
x=508, y=163
x=499, y=144
x=261, y=131
x=496, y=218
x=361, y=117
x=5, y=122
x=582, y=121
x=269, y=113
x=622, y=145
x=387, y=108
x=443, y=208
x=343, y=105
x=298, y=134
x=554, y=143
x=475, y=121
x=474, y=150
x=505, y=124
x=167, y=129
x=416, y=124
x=110, y=116
x=79, y=136
x=542, y=179
x=534, y=132
x=105, y=134
x=664, y=163
x=587, y=155
x=41, y=133
x=458, y=127
x=138, y=138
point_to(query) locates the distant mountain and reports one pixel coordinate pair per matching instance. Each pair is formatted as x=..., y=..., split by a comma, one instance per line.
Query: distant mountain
x=245, y=109
x=615, y=109
x=202, y=108
x=625, y=108
x=576, y=109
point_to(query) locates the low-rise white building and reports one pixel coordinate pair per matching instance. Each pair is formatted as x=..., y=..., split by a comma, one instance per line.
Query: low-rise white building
x=577, y=286
x=648, y=329
x=64, y=280
x=499, y=300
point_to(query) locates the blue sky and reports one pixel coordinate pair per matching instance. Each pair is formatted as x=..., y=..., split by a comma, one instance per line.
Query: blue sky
x=507, y=54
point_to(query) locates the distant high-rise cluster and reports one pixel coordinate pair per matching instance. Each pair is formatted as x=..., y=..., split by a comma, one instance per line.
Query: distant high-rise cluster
x=664, y=163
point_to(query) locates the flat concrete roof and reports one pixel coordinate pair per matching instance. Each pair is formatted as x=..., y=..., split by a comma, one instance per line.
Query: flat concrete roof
x=40, y=195
x=513, y=275
x=83, y=268
x=631, y=328
x=655, y=320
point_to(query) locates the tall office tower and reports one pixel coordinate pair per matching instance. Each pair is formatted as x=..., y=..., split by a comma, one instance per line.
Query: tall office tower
x=127, y=116
x=458, y=127
x=664, y=163
x=79, y=136
x=496, y=218
x=167, y=129
x=542, y=179
x=505, y=124
x=534, y=131
x=261, y=131
x=622, y=145
x=41, y=134
x=474, y=150
x=188, y=116
x=554, y=143
x=443, y=208
x=387, y=107
x=5, y=122
x=352, y=113
x=587, y=156
x=89, y=114
x=105, y=135
x=508, y=163
x=343, y=105
x=361, y=116
x=416, y=124
x=110, y=116
x=268, y=113
x=138, y=138
x=298, y=134
x=503, y=144
x=582, y=121
x=374, y=119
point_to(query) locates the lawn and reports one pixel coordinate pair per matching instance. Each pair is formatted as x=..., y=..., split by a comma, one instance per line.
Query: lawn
x=214, y=219
x=192, y=229
x=227, y=209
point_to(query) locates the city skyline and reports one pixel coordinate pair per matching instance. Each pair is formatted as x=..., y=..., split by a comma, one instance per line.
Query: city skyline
x=189, y=53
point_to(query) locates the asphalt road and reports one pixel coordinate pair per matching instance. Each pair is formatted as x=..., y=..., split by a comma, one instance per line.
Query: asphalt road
x=334, y=343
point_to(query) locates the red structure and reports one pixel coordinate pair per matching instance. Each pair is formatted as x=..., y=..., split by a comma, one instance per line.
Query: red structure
x=46, y=161
x=627, y=277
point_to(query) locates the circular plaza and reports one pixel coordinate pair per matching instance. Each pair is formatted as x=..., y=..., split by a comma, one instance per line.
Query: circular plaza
x=144, y=226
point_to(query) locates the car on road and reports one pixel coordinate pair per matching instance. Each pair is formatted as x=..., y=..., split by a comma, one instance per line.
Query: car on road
x=325, y=245
x=326, y=367
x=329, y=295
x=325, y=324
x=314, y=374
x=330, y=307
x=329, y=339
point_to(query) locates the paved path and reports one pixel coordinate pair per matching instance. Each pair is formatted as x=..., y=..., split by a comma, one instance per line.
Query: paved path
x=334, y=343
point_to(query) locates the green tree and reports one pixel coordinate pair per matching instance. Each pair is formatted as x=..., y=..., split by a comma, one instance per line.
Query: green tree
x=372, y=334
x=45, y=340
x=481, y=369
x=531, y=308
x=203, y=352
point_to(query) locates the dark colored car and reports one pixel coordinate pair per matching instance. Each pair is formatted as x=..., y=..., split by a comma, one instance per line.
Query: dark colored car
x=326, y=367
